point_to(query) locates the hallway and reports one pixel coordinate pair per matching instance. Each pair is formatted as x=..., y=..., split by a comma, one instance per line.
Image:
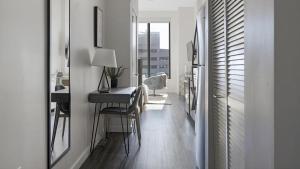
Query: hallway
x=167, y=142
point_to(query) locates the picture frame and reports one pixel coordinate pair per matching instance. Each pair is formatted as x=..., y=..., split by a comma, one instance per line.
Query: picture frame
x=98, y=27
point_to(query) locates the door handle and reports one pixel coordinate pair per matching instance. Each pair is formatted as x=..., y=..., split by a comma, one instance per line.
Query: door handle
x=218, y=97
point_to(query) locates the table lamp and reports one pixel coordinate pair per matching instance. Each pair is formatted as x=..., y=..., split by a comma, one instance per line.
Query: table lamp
x=105, y=58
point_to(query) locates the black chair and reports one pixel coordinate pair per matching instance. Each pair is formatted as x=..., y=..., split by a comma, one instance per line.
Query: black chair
x=132, y=112
x=62, y=110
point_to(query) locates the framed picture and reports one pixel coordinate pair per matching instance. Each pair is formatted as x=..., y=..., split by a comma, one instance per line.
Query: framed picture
x=98, y=27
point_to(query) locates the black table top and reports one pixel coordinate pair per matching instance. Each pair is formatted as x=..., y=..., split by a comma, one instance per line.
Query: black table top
x=116, y=95
x=62, y=96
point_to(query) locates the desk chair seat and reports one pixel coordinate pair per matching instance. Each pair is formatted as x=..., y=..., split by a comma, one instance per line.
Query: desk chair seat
x=115, y=110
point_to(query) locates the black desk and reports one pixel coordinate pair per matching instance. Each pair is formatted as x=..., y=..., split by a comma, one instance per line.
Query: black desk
x=61, y=96
x=115, y=96
x=62, y=100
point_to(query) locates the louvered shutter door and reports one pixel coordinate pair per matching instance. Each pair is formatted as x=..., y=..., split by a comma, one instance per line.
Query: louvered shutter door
x=218, y=49
x=227, y=53
x=235, y=56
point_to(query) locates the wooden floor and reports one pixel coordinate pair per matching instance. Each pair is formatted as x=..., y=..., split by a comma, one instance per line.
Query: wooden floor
x=167, y=142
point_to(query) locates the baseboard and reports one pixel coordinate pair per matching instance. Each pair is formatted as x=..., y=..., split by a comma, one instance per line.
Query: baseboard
x=84, y=155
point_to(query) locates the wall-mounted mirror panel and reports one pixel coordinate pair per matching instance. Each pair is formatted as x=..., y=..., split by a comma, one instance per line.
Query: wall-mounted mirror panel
x=59, y=112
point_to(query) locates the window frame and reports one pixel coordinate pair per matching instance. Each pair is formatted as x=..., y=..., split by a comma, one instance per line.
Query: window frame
x=149, y=43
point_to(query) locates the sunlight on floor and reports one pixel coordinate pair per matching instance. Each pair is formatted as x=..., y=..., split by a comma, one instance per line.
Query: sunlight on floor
x=157, y=102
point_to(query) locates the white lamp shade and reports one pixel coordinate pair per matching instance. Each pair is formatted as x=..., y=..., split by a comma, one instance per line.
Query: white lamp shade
x=105, y=57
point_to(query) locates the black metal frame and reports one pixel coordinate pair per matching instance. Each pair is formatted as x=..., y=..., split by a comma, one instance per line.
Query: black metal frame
x=48, y=66
x=148, y=47
x=103, y=74
x=96, y=10
x=196, y=52
x=127, y=130
x=95, y=130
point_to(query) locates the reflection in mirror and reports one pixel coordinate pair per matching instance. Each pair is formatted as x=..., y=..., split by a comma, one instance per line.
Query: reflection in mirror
x=59, y=80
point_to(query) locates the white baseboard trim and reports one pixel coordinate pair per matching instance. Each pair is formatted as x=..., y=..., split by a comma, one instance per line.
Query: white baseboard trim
x=84, y=155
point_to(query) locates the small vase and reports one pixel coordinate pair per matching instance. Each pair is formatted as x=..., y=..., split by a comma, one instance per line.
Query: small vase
x=114, y=83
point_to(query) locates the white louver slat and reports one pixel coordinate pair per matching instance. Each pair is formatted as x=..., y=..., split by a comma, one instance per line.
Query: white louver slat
x=218, y=49
x=236, y=66
x=227, y=66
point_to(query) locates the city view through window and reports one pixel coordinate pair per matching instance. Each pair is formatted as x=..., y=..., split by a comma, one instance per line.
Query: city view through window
x=154, y=48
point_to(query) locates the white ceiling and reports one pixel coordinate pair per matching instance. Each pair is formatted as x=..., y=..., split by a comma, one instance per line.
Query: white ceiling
x=165, y=5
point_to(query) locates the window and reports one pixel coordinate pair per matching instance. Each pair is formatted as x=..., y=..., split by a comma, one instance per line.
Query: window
x=163, y=66
x=154, y=47
x=164, y=58
x=153, y=59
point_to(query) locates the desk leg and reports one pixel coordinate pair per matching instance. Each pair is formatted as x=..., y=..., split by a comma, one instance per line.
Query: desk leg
x=56, y=118
x=91, y=148
x=128, y=134
x=123, y=132
x=97, y=126
x=138, y=125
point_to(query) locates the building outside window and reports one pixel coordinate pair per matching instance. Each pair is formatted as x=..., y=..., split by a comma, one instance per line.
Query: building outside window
x=154, y=47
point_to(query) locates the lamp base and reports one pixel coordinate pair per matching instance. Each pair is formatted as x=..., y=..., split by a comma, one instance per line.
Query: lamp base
x=104, y=90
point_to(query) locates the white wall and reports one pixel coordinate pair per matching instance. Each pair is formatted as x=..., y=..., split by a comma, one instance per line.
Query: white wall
x=117, y=35
x=84, y=79
x=133, y=41
x=23, y=84
x=164, y=5
x=199, y=4
x=287, y=83
x=57, y=42
x=259, y=84
x=172, y=17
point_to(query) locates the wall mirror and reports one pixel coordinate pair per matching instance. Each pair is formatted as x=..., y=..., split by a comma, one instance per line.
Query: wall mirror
x=59, y=112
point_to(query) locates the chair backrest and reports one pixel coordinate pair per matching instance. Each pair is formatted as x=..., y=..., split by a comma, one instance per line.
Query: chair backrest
x=59, y=87
x=63, y=107
x=136, y=99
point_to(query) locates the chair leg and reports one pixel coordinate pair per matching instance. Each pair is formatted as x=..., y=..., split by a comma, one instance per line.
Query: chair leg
x=138, y=126
x=124, y=139
x=134, y=128
x=64, y=126
x=128, y=136
x=105, y=124
x=56, y=117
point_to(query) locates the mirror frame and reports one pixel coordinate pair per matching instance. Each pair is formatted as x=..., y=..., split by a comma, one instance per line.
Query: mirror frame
x=48, y=67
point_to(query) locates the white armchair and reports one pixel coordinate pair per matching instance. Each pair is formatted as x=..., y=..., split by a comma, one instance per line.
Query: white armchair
x=156, y=82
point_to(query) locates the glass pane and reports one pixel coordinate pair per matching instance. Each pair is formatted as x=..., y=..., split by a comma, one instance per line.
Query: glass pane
x=143, y=45
x=59, y=112
x=159, y=48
